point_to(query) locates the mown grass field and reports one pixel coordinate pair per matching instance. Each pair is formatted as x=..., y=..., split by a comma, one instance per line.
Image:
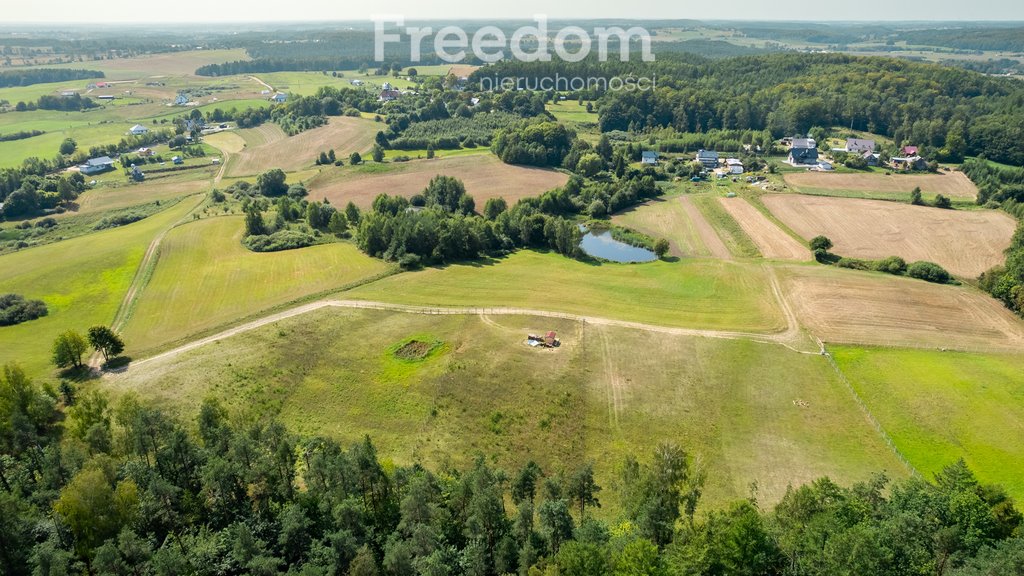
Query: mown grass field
x=667, y=218
x=745, y=411
x=82, y=281
x=205, y=278
x=941, y=406
x=694, y=293
x=571, y=112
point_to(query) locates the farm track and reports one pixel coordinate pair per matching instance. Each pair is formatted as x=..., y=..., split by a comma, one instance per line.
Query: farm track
x=788, y=338
x=138, y=282
x=705, y=230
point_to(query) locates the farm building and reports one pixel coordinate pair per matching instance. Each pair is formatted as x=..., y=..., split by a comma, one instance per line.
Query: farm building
x=734, y=166
x=908, y=163
x=804, y=151
x=105, y=97
x=649, y=157
x=859, y=145
x=279, y=98
x=97, y=165
x=181, y=100
x=137, y=130
x=709, y=158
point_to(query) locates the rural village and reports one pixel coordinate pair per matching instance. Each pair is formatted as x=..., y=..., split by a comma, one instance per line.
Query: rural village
x=270, y=304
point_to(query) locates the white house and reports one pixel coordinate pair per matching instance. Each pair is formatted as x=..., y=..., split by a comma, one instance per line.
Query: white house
x=649, y=157
x=97, y=165
x=279, y=98
x=138, y=130
x=734, y=166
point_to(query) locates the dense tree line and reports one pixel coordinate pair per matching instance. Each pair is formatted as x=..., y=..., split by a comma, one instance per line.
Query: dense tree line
x=20, y=135
x=440, y=225
x=1001, y=187
x=30, y=76
x=87, y=487
x=72, y=103
x=36, y=194
x=465, y=129
x=953, y=111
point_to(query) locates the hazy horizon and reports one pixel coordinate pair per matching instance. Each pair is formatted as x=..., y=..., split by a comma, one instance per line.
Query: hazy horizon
x=64, y=12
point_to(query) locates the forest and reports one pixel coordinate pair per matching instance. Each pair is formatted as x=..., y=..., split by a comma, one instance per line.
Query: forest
x=27, y=77
x=953, y=111
x=94, y=487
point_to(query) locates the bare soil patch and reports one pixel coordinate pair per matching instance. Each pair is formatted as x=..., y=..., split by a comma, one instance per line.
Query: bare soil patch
x=705, y=230
x=484, y=176
x=966, y=243
x=769, y=238
x=852, y=307
x=951, y=184
x=344, y=135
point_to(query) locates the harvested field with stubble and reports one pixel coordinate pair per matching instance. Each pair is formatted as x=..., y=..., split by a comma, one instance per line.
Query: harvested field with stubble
x=769, y=238
x=852, y=307
x=483, y=174
x=966, y=243
x=268, y=147
x=669, y=218
x=951, y=184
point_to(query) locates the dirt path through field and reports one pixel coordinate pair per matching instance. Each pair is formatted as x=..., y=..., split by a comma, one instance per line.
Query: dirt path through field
x=789, y=338
x=769, y=238
x=707, y=233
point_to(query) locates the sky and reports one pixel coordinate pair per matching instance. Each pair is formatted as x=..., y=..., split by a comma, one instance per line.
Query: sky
x=205, y=11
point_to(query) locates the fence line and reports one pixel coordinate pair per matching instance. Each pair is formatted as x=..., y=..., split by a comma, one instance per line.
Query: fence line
x=867, y=413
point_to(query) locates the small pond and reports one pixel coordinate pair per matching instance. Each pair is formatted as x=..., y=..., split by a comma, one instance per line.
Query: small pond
x=600, y=244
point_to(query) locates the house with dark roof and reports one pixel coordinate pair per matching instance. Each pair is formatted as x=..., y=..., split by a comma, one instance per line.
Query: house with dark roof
x=648, y=157
x=181, y=100
x=872, y=158
x=97, y=165
x=709, y=158
x=389, y=94
x=859, y=145
x=804, y=151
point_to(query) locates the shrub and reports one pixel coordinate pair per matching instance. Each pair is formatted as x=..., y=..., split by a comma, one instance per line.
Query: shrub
x=15, y=309
x=661, y=247
x=942, y=202
x=853, y=264
x=821, y=243
x=119, y=220
x=891, y=265
x=278, y=241
x=929, y=272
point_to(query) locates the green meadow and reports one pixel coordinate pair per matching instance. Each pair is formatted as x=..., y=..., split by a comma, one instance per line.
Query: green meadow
x=746, y=411
x=692, y=293
x=82, y=281
x=941, y=406
x=204, y=278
